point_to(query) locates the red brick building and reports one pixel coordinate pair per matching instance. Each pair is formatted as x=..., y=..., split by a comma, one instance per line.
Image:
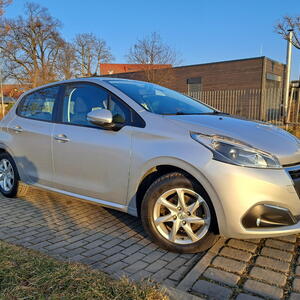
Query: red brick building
x=250, y=73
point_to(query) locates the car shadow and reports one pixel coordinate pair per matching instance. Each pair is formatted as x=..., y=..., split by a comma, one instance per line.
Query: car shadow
x=64, y=211
x=69, y=229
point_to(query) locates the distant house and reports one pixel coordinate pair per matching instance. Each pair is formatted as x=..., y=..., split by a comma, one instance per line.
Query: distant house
x=249, y=73
x=109, y=69
x=13, y=90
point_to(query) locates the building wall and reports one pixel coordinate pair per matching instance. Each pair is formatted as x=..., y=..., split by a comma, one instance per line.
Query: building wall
x=275, y=70
x=226, y=75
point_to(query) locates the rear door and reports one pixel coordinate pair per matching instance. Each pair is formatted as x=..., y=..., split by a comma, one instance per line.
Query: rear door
x=31, y=131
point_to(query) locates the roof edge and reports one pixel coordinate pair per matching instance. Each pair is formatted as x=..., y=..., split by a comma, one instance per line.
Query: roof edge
x=229, y=61
x=210, y=63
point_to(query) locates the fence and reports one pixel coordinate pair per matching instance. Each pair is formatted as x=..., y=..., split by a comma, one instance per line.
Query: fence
x=264, y=105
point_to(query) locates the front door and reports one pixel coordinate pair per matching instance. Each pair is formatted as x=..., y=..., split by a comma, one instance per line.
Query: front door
x=89, y=160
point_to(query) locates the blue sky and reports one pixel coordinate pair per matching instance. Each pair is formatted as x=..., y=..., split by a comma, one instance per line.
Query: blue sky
x=201, y=31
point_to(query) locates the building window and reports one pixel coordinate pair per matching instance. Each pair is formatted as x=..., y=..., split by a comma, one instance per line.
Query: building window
x=194, y=84
x=273, y=80
x=273, y=77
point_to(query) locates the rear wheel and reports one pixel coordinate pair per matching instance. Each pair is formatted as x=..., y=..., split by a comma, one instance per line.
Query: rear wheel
x=178, y=215
x=10, y=185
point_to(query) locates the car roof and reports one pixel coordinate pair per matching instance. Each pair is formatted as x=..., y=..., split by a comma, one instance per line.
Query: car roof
x=81, y=79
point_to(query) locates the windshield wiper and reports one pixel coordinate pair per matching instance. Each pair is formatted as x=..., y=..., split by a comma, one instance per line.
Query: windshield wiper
x=217, y=113
x=178, y=113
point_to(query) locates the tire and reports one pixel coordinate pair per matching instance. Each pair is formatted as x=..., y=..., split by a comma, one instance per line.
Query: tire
x=193, y=218
x=13, y=187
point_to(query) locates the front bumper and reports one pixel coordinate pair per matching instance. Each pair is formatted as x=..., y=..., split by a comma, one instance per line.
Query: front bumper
x=242, y=192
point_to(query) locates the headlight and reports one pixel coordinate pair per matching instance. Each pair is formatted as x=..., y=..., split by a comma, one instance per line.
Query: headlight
x=235, y=152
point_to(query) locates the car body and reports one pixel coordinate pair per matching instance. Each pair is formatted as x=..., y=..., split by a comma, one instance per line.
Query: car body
x=116, y=165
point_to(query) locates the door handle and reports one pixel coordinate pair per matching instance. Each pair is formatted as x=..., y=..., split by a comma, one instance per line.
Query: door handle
x=61, y=138
x=17, y=128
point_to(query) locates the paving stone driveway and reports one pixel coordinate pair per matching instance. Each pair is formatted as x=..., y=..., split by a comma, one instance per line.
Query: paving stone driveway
x=68, y=228
x=114, y=242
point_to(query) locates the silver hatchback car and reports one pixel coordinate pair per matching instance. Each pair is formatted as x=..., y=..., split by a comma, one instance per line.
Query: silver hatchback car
x=187, y=170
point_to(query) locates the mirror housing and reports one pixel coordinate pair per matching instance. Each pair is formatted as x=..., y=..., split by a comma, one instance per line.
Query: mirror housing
x=101, y=117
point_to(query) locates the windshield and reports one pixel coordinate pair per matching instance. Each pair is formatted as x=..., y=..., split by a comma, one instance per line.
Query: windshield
x=160, y=100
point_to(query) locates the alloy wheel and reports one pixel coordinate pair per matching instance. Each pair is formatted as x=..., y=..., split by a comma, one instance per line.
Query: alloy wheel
x=7, y=176
x=181, y=216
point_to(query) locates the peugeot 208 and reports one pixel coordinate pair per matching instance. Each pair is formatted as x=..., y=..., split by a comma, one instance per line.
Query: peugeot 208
x=187, y=170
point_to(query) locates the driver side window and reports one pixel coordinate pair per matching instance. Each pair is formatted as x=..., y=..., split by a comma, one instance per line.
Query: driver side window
x=81, y=99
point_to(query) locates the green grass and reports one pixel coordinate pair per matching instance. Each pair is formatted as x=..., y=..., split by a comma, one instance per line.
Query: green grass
x=26, y=274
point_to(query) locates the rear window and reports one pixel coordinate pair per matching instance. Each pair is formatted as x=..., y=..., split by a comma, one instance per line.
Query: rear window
x=39, y=105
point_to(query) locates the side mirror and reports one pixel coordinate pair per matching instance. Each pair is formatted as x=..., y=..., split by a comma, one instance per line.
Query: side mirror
x=102, y=117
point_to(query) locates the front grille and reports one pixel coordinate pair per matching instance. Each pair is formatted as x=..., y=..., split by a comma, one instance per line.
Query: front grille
x=294, y=172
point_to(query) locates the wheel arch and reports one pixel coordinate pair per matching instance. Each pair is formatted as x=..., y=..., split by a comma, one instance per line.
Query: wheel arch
x=4, y=148
x=159, y=170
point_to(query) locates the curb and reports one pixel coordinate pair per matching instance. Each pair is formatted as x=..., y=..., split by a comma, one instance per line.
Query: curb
x=175, y=294
x=187, y=282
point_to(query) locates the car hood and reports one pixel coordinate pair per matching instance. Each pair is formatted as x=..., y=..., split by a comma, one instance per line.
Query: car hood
x=263, y=136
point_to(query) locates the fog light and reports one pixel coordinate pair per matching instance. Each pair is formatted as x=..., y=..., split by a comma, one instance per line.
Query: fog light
x=266, y=215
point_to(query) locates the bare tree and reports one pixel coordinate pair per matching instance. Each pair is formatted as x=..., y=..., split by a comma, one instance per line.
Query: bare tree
x=3, y=4
x=66, y=62
x=150, y=51
x=31, y=46
x=90, y=51
x=287, y=23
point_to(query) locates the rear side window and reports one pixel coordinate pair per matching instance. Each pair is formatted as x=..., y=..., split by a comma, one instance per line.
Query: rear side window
x=39, y=105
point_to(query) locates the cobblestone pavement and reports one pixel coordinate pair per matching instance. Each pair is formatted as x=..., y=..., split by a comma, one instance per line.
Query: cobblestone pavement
x=70, y=229
x=248, y=269
x=114, y=242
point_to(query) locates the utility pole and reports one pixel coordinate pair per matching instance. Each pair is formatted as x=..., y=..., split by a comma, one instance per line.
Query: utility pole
x=287, y=76
x=1, y=89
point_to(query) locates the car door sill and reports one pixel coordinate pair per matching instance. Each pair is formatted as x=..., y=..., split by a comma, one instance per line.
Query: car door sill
x=104, y=203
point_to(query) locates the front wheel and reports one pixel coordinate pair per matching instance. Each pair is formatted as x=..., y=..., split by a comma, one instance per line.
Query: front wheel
x=178, y=215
